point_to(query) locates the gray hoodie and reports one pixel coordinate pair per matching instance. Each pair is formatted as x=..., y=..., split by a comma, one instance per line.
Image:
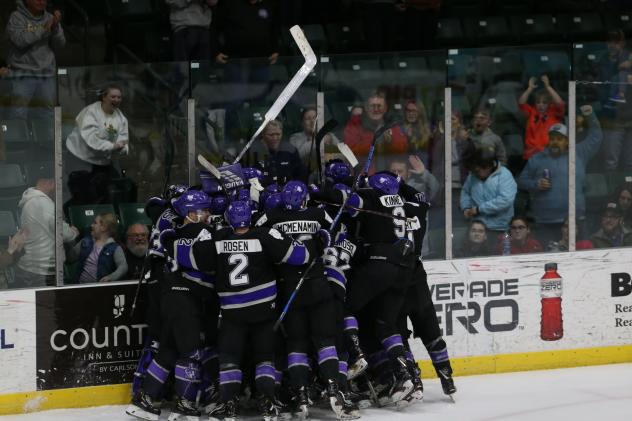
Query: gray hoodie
x=30, y=52
x=186, y=13
x=37, y=217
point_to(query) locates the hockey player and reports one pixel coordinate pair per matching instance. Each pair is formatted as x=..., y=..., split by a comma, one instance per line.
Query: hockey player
x=247, y=289
x=310, y=321
x=379, y=283
x=163, y=217
x=182, y=313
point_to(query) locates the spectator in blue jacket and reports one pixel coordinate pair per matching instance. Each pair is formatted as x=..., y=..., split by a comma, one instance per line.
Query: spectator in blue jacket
x=489, y=191
x=546, y=177
x=100, y=258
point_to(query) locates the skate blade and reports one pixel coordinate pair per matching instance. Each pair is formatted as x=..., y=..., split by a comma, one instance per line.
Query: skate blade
x=452, y=398
x=408, y=388
x=359, y=367
x=137, y=412
x=181, y=417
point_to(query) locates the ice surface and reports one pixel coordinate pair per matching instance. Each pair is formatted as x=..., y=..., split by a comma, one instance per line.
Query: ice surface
x=577, y=394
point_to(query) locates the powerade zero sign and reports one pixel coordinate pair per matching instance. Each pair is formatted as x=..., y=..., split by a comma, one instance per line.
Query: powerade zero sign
x=476, y=306
x=85, y=336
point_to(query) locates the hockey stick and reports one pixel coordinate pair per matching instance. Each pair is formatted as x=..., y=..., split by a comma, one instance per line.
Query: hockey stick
x=369, y=211
x=290, y=89
x=332, y=227
x=327, y=127
x=346, y=151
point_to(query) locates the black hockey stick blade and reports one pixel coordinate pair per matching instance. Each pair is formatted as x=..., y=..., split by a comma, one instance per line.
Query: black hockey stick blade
x=327, y=127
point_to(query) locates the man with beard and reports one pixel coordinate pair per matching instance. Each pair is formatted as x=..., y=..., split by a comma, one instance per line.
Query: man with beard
x=546, y=177
x=612, y=232
x=136, y=244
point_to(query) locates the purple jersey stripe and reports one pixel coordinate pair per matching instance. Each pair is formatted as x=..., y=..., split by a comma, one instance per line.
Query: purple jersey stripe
x=333, y=275
x=184, y=372
x=327, y=353
x=183, y=254
x=230, y=376
x=392, y=341
x=298, y=255
x=351, y=323
x=439, y=356
x=249, y=297
x=297, y=358
x=157, y=372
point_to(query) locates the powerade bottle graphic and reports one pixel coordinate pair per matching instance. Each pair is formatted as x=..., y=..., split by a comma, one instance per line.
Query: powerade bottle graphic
x=551, y=328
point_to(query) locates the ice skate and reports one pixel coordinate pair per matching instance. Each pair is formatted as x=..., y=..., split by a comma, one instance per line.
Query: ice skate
x=300, y=403
x=184, y=410
x=342, y=407
x=224, y=411
x=403, y=385
x=447, y=382
x=143, y=407
x=268, y=409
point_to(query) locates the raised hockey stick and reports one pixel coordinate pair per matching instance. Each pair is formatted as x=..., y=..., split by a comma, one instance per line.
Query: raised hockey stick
x=327, y=127
x=332, y=227
x=346, y=151
x=290, y=89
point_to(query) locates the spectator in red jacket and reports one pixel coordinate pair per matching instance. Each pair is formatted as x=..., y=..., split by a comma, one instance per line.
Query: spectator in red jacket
x=521, y=239
x=358, y=133
x=547, y=111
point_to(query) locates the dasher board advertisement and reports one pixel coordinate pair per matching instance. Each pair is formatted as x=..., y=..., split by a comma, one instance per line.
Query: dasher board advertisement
x=503, y=305
x=86, y=337
x=17, y=341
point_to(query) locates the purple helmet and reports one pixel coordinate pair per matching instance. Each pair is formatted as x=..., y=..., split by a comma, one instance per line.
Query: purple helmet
x=238, y=214
x=342, y=187
x=219, y=205
x=210, y=184
x=337, y=169
x=273, y=201
x=251, y=172
x=191, y=200
x=385, y=182
x=294, y=195
x=175, y=191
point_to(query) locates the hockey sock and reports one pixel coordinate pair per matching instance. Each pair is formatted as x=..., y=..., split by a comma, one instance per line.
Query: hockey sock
x=154, y=380
x=298, y=369
x=328, y=362
x=230, y=377
x=210, y=373
x=265, y=377
x=187, y=374
x=342, y=374
x=438, y=351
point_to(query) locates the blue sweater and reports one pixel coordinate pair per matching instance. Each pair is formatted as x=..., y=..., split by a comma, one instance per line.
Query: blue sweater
x=493, y=196
x=551, y=206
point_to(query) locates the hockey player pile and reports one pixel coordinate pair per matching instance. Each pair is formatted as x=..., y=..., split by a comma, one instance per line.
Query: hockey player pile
x=258, y=301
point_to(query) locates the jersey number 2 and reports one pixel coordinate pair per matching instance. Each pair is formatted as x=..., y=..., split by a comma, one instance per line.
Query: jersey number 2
x=236, y=277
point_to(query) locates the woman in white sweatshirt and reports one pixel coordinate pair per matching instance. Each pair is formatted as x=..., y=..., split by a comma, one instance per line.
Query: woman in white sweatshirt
x=101, y=131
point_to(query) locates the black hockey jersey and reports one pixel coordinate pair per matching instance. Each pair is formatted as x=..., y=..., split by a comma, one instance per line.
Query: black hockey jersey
x=246, y=278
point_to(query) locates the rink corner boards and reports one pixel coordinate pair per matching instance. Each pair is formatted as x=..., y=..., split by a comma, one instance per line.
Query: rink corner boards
x=118, y=394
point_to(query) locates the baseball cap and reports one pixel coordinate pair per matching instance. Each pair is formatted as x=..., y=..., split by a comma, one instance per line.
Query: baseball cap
x=559, y=128
x=612, y=208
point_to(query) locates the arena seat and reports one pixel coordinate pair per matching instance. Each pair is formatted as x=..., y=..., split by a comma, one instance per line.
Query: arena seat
x=82, y=216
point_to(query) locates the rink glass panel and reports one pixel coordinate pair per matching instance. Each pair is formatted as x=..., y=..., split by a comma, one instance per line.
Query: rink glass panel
x=154, y=101
x=231, y=101
x=416, y=79
x=493, y=79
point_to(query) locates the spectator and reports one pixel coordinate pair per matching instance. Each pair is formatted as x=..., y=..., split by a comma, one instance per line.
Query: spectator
x=31, y=32
x=489, y=191
x=483, y=136
x=302, y=141
x=546, y=177
x=416, y=128
x=612, y=232
x=416, y=175
x=520, y=237
x=277, y=159
x=10, y=255
x=475, y=242
x=358, y=132
x=136, y=244
x=100, y=132
x=548, y=110
x=562, y=244
x=100, y=258
x=458, y=145
x=623, y=198
x=36, y=268
x=620, y=57
x=190, y=22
